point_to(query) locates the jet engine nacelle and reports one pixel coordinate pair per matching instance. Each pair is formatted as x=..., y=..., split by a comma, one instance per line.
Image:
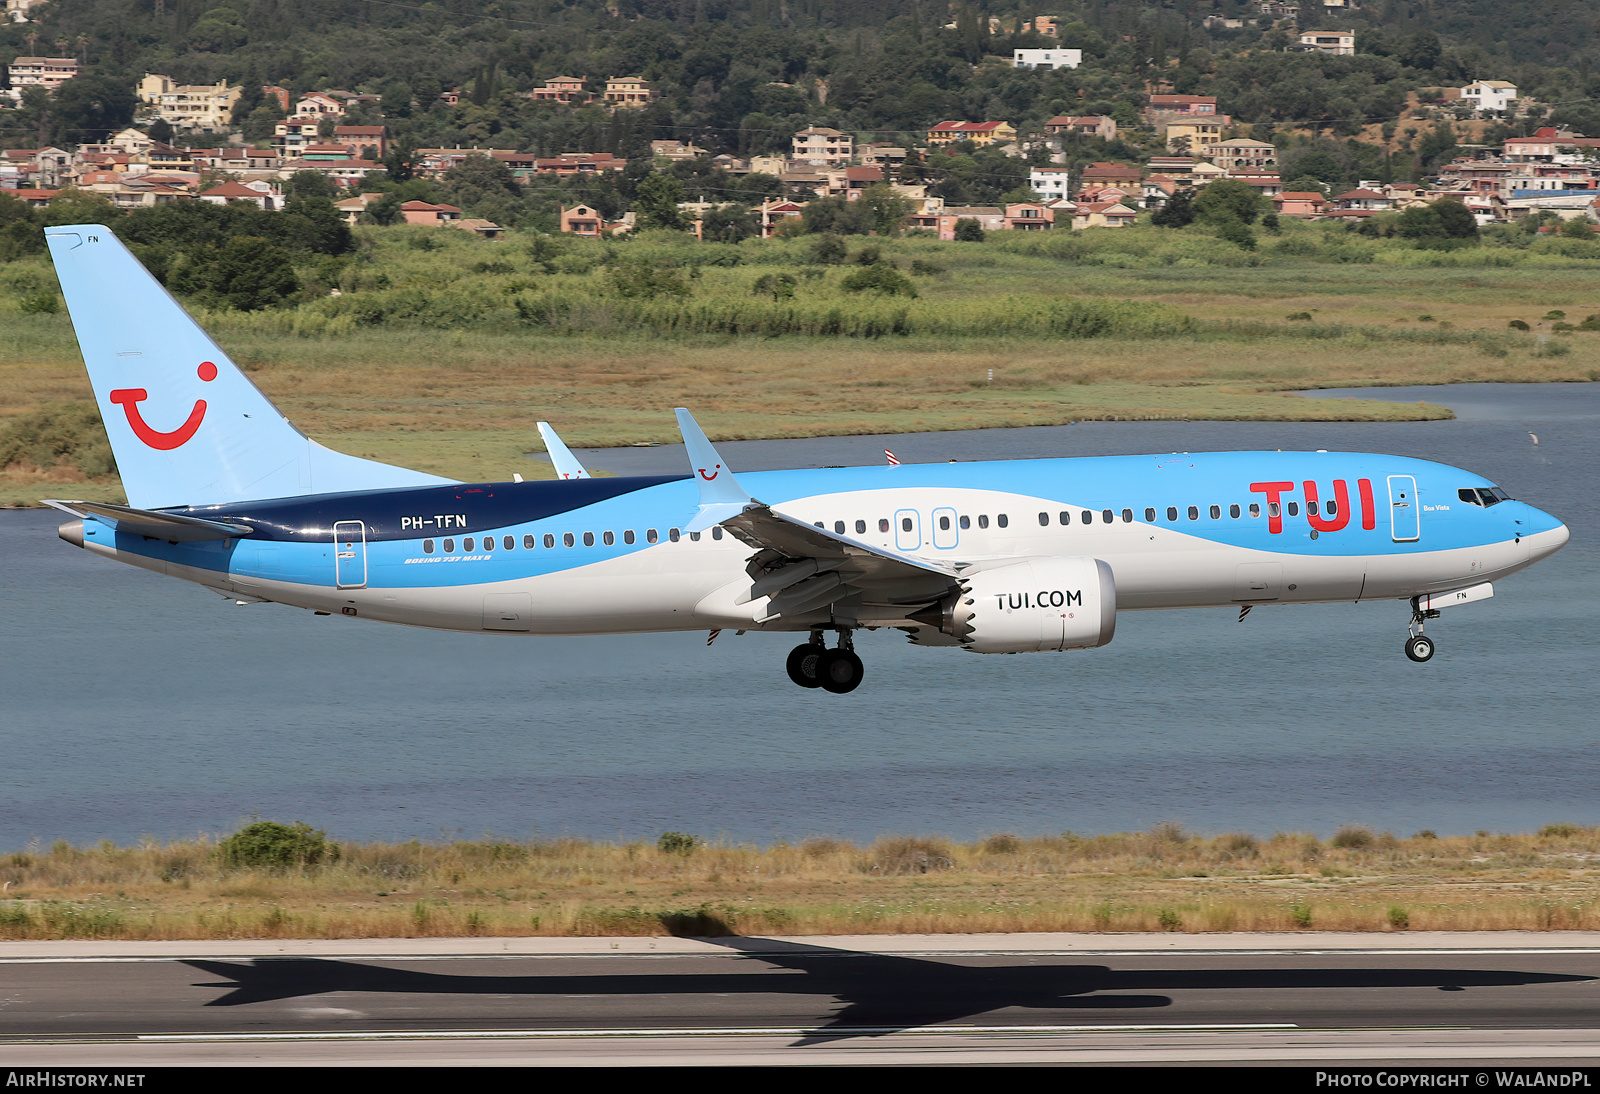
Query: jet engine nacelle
x=1041, y=604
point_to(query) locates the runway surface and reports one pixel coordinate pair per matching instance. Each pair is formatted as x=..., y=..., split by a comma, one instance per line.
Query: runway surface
x=1471, y=1000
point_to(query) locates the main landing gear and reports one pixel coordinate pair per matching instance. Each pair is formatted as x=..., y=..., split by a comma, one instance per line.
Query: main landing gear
x=814, y=665
x=1419, y=647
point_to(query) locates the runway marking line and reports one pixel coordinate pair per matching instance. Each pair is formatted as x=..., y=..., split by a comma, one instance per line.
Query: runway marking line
x=729, y=1031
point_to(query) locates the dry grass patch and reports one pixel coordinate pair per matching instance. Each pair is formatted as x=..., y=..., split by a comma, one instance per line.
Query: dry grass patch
x=1165, y=879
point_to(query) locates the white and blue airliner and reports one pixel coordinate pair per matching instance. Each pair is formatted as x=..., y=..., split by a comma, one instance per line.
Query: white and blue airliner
x=991, y=557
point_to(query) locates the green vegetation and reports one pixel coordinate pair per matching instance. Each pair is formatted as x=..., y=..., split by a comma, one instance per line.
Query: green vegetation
x=1166, y=879
x=270, y=845
x=443, y=349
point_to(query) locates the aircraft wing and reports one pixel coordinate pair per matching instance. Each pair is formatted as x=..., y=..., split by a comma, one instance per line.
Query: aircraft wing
x=801, y=567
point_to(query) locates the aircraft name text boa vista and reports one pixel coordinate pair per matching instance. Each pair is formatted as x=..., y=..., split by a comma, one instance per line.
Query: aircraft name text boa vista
x=991, y=557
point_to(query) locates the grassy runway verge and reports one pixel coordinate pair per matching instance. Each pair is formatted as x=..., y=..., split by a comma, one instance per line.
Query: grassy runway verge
x=443, y=357
x=1164, y=879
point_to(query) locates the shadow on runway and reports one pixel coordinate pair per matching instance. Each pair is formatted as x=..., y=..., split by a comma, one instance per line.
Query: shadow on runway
x=868, y=994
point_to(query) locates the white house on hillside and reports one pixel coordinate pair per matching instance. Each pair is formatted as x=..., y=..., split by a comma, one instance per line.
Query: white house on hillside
x=1046, y=58
x=1490, y=94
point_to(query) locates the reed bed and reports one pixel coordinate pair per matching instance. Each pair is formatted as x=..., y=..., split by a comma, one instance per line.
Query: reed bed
x=1164, y=879
x=443, y=350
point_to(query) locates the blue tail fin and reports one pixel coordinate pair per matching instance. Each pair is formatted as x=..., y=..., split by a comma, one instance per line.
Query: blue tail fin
x=187, y=427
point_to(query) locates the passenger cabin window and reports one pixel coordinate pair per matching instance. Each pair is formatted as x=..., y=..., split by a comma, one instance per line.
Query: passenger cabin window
x=1311, y=508
x=588, y=539
x=566, y=538
x=883, y=524
x=905, y=524
x=608, y=539
x=488, y=543
x=1233, y=511
x=1002, y=520
x=427, y=546
x=1044, y=520
x=838, y=527
x=1172, y=512
x=983, y=520
x=1088, y=517
x=1065, y=517
x=1194, y=512
x=1150, y=514
x=466, y=545
x=1255, y=510
x=627, y=536
x=1272, y=509
x=510, y=543
x=861, y=527
x=716, y=532
x=1332, y=507
x=650, y=535
x=1127, y=516
x=1294, y=509
x=1216, y=512
x=966, y=522
x=549, y=540
x=449, y=546
x=673, y=534
x=944, y=524
x=695, y=536
x=1107, y=515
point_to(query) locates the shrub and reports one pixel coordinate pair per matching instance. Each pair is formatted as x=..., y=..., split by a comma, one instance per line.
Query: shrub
x=677, y=843
x=1300, y=915
x=270, y=845
x=1559, y=830
x=885, y=280
x=1002, y=843
x=40, y=303
x=1517, y=324
x=1169, y=919
x=639, y=279
x=1399, y=918
x=1353, y=837
x=901, y=855
x=780, y=286
x=1299, y=317
x=71, y=434
x=829, y=250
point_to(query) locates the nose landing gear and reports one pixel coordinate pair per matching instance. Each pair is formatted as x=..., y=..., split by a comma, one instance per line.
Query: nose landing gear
x=1419, y=647
x=838, y=670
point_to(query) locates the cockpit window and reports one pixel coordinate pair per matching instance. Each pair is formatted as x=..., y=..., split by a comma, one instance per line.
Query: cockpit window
x=1484, y=496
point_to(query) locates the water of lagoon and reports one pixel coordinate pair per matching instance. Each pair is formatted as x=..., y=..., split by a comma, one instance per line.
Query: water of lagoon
x=141, y=706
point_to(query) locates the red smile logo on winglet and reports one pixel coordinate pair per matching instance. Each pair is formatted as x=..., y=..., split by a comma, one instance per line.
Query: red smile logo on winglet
x=711, y=476
x=131, y=397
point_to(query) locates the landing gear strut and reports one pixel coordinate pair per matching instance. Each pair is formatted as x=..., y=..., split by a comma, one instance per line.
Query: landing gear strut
x=838, y=670
x=1419, y=647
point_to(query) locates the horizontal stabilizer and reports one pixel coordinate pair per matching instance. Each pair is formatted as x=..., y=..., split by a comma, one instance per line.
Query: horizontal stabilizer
x=144, y=522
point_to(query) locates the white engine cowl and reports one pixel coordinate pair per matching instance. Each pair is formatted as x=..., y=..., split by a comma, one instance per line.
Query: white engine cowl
x=1041, y=604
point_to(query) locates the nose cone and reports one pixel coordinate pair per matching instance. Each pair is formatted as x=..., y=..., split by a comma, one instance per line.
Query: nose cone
x=1548, y=542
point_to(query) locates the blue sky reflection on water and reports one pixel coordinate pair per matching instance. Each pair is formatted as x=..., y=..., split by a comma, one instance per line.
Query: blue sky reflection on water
x=137, y=705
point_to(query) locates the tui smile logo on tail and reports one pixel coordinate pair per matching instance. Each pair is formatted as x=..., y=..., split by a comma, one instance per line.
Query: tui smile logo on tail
x=131, y=397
